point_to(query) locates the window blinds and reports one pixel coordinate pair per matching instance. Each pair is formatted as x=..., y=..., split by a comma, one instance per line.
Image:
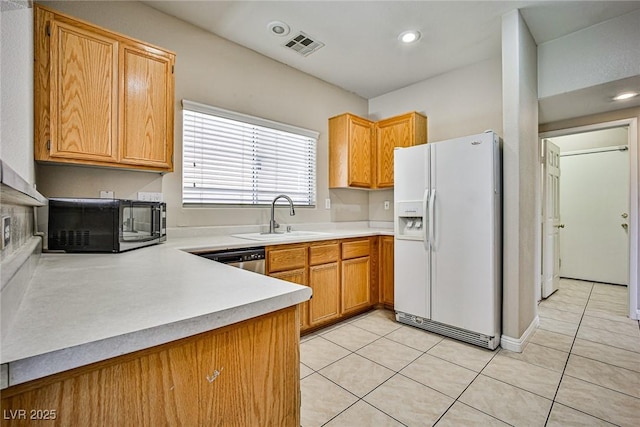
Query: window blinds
x=235, y=159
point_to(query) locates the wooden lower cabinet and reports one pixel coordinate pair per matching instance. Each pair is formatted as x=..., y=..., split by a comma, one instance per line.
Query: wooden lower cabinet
x=324, y=305
x=298, y=277
x=343, y=275
x=386, y=271
x=356, y=284
x=246, y=374
x=286, y=258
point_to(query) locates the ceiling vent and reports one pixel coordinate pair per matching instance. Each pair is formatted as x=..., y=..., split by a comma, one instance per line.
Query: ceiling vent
x=303, y=44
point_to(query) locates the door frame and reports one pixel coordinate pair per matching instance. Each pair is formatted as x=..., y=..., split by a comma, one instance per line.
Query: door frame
x=632, y=126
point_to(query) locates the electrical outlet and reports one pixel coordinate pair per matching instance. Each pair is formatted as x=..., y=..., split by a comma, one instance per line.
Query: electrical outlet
x=148, y=196
x=6, y=231
x=107, y=194
x=387, y=205
x=327, y=203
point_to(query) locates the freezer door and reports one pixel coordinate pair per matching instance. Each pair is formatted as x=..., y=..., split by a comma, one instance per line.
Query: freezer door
x=410, y=172
x=411, y=257
x=411, y=273
x=464, y=234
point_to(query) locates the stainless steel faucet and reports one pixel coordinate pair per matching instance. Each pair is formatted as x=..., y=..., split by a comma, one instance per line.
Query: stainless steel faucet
x=272, y=223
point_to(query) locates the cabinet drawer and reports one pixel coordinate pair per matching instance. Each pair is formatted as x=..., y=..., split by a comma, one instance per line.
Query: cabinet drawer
x=355, y=249
x=324, y=253
x=287, y=259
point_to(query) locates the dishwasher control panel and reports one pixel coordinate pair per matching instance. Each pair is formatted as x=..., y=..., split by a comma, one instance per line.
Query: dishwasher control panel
x=229, y=256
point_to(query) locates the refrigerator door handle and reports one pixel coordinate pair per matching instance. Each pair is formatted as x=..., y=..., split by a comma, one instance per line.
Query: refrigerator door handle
x=425, y=219
x=432, y=219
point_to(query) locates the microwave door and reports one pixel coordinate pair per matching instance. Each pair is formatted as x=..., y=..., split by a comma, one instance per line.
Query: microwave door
x=137, y=222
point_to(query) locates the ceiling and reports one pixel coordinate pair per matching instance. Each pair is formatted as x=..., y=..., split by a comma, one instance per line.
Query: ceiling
x=361, y=51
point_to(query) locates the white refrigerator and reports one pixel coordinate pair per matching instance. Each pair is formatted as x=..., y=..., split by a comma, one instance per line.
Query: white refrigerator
x=448, y=258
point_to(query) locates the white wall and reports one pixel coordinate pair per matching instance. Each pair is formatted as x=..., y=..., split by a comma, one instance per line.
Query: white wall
x=520, y=180
x=593, y=139
x=462, y=102
x=602, y=53
x=458, y=103
x=214, y=71
x=16, y=88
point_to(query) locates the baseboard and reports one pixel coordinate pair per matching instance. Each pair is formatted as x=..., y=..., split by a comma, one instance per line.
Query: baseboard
x=518, y=344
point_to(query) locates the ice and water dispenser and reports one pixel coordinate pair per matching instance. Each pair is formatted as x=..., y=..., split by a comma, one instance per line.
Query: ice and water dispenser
x=410, y=221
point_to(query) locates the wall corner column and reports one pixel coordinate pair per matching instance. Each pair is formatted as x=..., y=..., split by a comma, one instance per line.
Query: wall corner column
x=520, y=172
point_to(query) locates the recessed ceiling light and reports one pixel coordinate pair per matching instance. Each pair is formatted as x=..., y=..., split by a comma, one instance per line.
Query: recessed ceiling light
x=626, y=95
x=278, y=28
x=410, y=36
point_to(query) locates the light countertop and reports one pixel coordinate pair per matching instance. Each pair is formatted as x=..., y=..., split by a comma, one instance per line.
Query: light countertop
x=84, y=308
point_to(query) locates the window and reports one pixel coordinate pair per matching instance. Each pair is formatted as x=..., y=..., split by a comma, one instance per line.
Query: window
x=234, y=159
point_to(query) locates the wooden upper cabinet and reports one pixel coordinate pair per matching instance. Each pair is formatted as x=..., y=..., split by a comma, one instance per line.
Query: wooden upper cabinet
x=147, y=107
x=361, y=151
x=351, y=162
x=401, y=131
x=84, y=89
x=100, y=98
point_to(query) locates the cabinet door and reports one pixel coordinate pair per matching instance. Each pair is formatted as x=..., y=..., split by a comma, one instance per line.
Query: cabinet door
x=386, y=270
x=298, y=277
x=390, y=134
x=360, y=153
x=325, y=282
x=401, y=131
x=83, y=90
x=146, y=107
x=356, y=278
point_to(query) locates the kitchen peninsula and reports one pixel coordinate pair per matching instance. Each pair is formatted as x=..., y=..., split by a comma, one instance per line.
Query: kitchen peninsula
x=155, y=332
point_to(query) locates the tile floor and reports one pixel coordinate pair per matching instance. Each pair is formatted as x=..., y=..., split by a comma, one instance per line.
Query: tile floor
x=581, y=368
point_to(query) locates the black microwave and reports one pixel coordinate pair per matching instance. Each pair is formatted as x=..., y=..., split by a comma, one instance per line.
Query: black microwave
x=105, y=225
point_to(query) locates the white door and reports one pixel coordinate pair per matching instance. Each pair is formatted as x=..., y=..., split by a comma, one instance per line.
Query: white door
x=551, y=220
x=595, y=208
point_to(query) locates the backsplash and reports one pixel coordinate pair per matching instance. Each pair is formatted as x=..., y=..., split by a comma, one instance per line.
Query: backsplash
x=18, y=260
x=21, y=226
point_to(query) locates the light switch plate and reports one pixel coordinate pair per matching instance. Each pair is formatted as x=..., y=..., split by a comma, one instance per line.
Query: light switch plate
x=107, y=194
x=387, y=205
x=6, y=231
x=327, y=203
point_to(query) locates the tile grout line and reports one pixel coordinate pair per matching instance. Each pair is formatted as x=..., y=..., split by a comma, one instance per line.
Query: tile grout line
x=354, y=352
x=408, y=378
x=404, y=376
x=567, y=363
x=457, y=399
x=373, y=361
x=553, y=401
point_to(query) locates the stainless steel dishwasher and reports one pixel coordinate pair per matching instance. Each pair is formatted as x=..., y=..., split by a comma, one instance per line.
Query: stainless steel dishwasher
x=251, y=259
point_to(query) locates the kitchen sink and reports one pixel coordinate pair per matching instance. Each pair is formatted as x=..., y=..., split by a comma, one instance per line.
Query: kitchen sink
x=280, y=236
